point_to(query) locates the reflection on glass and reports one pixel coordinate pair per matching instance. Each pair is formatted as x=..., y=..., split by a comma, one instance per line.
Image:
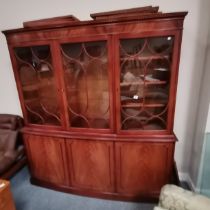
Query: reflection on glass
x=145, y=66
x=86, y=81
x=38, y=85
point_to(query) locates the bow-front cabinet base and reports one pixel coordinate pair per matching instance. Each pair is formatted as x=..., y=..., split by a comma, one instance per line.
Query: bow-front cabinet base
x=110, y=168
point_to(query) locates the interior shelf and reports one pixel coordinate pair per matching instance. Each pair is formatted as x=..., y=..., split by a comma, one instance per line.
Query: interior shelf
x=36, y=86
x=124, y=84
x=30, y=87
x=135, y=105
x=144, y=57
x=32, y=100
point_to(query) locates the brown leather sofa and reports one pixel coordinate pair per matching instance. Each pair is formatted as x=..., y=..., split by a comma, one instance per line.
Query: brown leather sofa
x=11, y=146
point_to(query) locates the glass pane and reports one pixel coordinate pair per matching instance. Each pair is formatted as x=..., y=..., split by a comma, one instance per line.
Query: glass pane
x=38, y=84
x=145, y=66
x=86, y=81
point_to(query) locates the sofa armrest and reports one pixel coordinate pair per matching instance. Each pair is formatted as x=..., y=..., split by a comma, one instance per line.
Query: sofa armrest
x=176, y=198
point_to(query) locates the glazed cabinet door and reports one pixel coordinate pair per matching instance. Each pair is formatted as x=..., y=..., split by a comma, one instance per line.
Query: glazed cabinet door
x=38, y=88
x=143, y=168
x=45, y=155
x=91, y=165
x=145, y=76
x=87, y=69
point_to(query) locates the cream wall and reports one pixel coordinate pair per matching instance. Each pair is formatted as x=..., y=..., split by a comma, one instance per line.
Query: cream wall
x=202, y=119
x=13, y=13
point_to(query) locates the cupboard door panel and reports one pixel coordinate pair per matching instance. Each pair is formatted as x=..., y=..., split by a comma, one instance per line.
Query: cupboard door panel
x=91, y=164
x=145, y=70
x=142, y=167
x=38, y=84
x=46, y=158
x=86, y=77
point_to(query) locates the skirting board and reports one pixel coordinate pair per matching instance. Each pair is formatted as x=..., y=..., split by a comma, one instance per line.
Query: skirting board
x=186, y=178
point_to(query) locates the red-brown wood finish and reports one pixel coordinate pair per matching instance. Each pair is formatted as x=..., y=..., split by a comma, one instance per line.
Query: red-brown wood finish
x=91, y=164
x=122, y=13
x=46, y=158
x=50, y=22
x=110, y=161
x=142, y=168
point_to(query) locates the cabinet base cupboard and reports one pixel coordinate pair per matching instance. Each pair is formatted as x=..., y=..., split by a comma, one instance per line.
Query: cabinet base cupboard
x=98, y=100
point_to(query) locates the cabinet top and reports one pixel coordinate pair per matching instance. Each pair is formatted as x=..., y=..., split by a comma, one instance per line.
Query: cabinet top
x=117, y=16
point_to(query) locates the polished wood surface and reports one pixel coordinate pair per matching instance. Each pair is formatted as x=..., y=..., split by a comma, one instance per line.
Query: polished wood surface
x=91, y=164
x=46, y=158
x=99, y=108
x=147, y=17
x=50, y=22
x=121, y=13
x=6, y=199
x=142, y=167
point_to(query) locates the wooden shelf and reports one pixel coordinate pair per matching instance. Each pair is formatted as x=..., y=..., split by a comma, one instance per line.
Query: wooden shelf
x=135, y=105
x=143, y=58
x=124, y=84
x=38, y=85
x=32, y=100
x=32, y=87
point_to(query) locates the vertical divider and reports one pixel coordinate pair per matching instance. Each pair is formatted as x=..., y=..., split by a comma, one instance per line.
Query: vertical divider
x=115, y=80
x=116, y=57
x=112, y=93
x=57, y=62
x=174, y=79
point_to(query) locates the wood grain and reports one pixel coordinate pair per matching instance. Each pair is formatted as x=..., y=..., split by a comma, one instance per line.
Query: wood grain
x=142, y=167
x=91, y=164
x=125, y=12
x=46, y=158
x=50, y=22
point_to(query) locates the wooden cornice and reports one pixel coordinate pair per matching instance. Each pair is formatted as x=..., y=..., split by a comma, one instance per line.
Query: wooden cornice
x=134, y=14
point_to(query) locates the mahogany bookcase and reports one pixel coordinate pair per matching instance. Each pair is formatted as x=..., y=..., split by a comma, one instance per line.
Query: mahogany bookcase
x=98, y=100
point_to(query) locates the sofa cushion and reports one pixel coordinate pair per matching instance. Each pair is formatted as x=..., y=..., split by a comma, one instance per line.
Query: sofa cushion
x=8, y=139
x=176, y=198
x=11, y=148
x=11, y=122
x=159, y=208
x=4, y=136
